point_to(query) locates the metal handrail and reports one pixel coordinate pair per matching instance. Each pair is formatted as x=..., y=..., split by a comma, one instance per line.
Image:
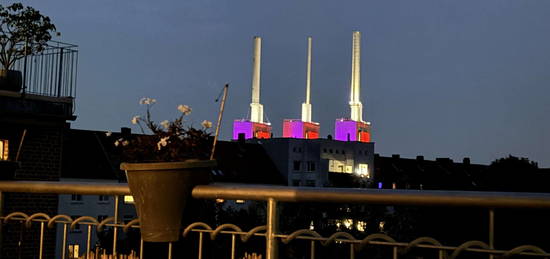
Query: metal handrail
x=305, y=194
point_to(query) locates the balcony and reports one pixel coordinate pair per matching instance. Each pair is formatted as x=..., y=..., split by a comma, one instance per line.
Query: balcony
x=227, y=240
x=49, y=83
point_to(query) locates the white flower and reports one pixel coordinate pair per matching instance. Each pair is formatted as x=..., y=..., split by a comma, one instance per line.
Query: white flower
x=125, y=143
x=147, y=100
x=162, y=143
x=165, y=124
x=206, y=124
x=135, y=119
x=108, y=133
x=184, y=109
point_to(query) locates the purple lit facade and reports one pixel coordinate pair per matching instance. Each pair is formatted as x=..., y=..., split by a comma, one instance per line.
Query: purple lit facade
x=251, y=129
x=350, y=130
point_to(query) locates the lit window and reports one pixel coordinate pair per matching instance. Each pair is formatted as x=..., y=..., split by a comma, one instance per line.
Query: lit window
x=363, y=170
x=239, y=201
x=296, y=165
x=381, y=226
x=219, y=200
x=337, y=166
x=361, y=226
x=73, y=251
x=3, y=149
x=128, y=199
x=347, y=223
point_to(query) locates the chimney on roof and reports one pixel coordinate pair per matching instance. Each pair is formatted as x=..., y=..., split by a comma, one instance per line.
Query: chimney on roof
x=256, y=108
x=466, y=161
x=125, y=132
x=420, y=158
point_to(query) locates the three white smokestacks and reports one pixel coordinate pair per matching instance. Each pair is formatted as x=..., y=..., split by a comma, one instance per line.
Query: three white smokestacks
x=256, y=108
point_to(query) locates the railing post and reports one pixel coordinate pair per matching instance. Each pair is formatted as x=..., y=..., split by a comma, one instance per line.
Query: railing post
x=60, y=73
x=115, y=228
x=1, y=214
x=271, y=247
x=491, y=231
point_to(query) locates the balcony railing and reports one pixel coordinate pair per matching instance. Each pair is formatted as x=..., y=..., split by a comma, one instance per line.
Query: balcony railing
x=53, y=72
x=273, y=196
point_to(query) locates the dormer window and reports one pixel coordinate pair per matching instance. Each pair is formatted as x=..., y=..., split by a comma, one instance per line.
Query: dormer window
x=3, y=149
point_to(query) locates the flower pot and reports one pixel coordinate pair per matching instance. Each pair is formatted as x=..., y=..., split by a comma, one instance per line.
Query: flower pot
x=160, y=192
x=11, y=80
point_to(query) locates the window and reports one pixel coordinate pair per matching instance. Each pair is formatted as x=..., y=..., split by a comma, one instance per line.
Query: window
x=330, y=150
x=296, y=165
x=73, y=251
x=239, y=201
x=324, y=150
x=337, y=166
x=337, y=152
x=295, y=182
x=103, y=198
x=3, y=149
x=310, y=166
x=128, y=199
x=363, y=170
x=294, y=149
x=310, y=183
x=76, y=197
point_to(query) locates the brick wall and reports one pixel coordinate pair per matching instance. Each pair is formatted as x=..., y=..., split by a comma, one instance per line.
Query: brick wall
x=40, y=159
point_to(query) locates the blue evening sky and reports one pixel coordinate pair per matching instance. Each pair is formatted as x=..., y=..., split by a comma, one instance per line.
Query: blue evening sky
x=440, y=78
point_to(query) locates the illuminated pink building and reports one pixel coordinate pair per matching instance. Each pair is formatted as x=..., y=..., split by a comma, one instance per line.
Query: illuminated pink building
x=350, y=130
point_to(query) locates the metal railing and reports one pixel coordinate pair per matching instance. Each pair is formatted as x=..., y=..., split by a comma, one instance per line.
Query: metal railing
x=52, y=72
x=274, y=195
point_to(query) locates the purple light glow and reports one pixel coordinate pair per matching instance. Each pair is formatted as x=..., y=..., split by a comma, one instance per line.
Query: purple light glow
x=345, y=128
x=242, y=126
x=293, y=129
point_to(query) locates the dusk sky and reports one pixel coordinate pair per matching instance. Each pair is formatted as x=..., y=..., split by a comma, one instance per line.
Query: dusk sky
x=439, y=78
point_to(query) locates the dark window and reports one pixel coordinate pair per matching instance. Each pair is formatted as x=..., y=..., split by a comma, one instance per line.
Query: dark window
x=324, y=150
x=295, y=182
x=296, y=165
x=337, y=152
x=300, y=149
x=103, y=198
x=343, y=152
x=310, y=166
x=310, y=183
x=294, y=149
x=360, y=152
x=76, y=197
x=330, y=150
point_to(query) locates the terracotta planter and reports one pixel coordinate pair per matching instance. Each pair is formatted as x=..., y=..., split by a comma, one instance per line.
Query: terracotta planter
x=160, y=192
x=11, y=80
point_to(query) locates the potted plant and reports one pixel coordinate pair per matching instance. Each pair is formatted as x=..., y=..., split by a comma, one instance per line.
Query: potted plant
x=162, y=168
x=24, y=31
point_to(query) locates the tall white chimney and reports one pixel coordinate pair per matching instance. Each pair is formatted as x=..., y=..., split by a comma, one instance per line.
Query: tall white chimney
x=306, y=107
x=256, y=108
x=355, y=95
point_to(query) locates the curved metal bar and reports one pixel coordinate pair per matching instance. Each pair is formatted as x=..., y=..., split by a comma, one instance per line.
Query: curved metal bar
x=60, y=216
x=15, y=214
x=104, y=222
x=421, y=240
x=252, y=232
x=336, y=235
x=196, y=224
x=83, y=218
x=297, y=233
x=373, y=237
x=222, y=227
x=524, y=248
x=466, y=245
x=128, y=225
x=28, y=222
